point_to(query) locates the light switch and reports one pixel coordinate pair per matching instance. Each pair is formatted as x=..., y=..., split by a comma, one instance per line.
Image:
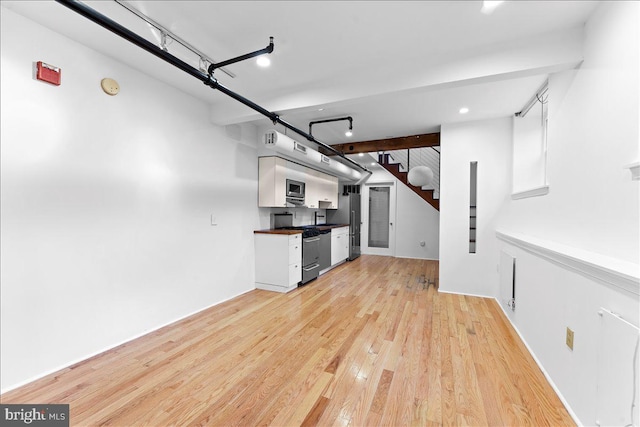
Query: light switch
x=569, y=338
x=214, y=221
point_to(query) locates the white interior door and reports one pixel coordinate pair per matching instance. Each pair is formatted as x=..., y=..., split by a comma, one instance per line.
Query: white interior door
x=379, y=208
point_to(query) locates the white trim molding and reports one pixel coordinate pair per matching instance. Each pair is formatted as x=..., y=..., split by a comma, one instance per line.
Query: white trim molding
x=634, y=168
x=612, y=271
x=538, y=191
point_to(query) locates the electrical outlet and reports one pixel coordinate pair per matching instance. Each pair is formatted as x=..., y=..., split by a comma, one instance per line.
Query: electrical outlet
x=569, y=338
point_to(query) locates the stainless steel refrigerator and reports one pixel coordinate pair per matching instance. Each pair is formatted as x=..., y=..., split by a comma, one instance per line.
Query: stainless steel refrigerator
x=349, y=212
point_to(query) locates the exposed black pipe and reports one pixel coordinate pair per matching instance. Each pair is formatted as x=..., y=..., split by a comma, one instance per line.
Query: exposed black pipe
x=207, y=79
x=267, y=49
x=332, y=120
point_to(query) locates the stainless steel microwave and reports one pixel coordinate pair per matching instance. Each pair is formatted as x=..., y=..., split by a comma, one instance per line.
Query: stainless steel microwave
x=295, y=189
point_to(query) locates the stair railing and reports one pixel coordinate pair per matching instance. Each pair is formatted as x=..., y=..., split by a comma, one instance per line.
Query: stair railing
x=412, y=157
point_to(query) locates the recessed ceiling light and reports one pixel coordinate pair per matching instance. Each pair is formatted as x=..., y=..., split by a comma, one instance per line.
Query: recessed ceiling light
x=488, y=6
x=320, y=109
x=373, y=163
x=263, y=61
x=464, y=110
x=361, y=154
x=348, y=133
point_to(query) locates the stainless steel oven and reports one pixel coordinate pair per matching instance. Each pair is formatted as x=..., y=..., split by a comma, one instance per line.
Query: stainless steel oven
x=310, y=255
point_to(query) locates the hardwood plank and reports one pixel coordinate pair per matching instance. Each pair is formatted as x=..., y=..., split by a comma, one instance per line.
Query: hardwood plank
x=316, y=412
x=369, y=343
x=382, y=392
x=304, y=407
x=372, y=381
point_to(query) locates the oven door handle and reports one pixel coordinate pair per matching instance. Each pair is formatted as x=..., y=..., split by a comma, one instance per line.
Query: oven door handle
x=307, y=240
x=311, y=267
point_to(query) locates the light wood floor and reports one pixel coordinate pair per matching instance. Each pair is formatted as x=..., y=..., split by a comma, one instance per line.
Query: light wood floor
x=370, y=343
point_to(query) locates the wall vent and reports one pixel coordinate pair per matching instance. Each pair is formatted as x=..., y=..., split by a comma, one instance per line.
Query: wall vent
x=270, y=138
x=324, y=159
x=299, y=147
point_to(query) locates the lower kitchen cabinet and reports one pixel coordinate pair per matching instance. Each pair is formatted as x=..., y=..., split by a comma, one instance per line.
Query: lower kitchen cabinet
x=278, y=261
x=339, y=245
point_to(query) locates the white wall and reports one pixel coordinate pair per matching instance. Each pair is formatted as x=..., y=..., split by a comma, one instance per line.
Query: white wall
x=106, y=205
x=489, y=143
x=415, y=221
x=593, y=132
x=592, y=205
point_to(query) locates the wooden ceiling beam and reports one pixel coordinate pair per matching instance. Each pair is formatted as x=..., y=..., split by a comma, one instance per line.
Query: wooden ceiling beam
x=401, y=143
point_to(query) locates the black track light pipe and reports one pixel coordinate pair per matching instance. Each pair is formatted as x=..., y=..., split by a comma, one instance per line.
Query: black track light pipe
x=267, y=49
x=130, y=36
x=332, y=120
x=207, y=79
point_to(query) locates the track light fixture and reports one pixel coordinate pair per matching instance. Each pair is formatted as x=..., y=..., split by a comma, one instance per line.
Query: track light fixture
x=349, y=131
x=267, y=49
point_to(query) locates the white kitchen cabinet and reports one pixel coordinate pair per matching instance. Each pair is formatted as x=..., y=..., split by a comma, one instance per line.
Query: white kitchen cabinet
x=328, y=191
x=278, y=261
x=339, y=244
x=272, y=181
x=314, y=189
x=321, y=189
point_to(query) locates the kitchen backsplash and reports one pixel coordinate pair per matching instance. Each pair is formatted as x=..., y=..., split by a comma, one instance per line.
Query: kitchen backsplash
x=301, y=216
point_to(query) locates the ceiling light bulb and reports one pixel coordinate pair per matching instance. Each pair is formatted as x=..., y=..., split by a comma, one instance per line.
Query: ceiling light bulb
x=488, y=6
x=464, y=110
x=348, y=133
x=263, y=61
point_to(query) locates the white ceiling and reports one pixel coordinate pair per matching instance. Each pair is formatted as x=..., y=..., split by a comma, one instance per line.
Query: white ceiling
x=398, y=68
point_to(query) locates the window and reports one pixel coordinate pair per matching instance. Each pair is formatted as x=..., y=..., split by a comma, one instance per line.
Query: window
x=530, y=146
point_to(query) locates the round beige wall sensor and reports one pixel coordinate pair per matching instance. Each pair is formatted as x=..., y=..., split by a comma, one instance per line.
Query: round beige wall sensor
x=110, y=86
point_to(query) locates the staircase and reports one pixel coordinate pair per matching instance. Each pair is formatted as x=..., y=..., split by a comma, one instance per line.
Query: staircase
x=398, y=163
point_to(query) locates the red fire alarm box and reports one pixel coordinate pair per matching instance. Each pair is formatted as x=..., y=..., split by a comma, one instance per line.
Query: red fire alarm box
x=48, y=73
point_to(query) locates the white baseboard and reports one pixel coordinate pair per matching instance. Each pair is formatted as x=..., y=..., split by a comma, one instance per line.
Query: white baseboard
x=275, y=288
x=465, y=294
x=412, y=257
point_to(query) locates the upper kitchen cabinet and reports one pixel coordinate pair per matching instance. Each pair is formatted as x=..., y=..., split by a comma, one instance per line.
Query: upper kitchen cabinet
x=313, y=193
x=328, y=191
x=320, y=189
x=272, y=181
